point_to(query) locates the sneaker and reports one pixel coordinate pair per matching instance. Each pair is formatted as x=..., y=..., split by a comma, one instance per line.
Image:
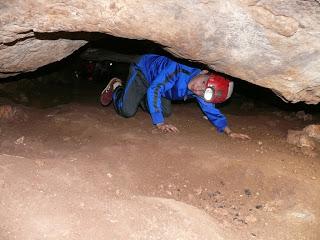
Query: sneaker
x=106, y=94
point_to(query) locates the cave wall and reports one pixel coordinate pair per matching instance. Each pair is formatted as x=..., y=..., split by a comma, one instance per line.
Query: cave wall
x=274, y=43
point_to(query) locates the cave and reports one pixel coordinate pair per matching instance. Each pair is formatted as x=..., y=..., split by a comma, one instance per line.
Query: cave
x=71, y=168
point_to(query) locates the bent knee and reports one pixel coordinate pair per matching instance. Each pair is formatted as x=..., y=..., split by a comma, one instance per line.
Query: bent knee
x=128, y=113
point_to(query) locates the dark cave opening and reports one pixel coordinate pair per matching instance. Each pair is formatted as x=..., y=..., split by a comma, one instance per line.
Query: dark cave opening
x=81, y=76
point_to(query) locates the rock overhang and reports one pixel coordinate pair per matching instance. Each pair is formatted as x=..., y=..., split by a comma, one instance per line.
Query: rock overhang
x=274, y=44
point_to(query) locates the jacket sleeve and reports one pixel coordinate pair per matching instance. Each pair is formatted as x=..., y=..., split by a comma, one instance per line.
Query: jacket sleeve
x=213, y=114
x=163, y=82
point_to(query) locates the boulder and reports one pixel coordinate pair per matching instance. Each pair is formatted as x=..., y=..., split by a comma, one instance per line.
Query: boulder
x=300, y=139
x=313, y=131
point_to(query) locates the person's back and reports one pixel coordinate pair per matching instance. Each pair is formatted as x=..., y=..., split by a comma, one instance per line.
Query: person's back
x=152, y=66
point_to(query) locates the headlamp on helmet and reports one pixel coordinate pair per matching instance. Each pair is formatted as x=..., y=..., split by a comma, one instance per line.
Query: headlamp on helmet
x=218, y=89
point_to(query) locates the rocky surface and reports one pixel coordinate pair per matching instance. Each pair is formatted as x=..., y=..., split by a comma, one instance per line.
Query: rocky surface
x=119, y=218
x=313, y=131
x=301, y=139
x=65, y=174
x=274, y=43
x=307, y=139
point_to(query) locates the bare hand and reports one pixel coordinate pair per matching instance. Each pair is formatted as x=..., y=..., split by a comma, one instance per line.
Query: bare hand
x=239, y=136
x=167, y=128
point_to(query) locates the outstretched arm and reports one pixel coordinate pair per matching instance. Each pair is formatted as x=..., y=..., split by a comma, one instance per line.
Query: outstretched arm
x=219, y=120
x=163, y=82
x=231, y=134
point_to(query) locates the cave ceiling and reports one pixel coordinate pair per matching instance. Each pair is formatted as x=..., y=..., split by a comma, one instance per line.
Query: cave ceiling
x=274, y=43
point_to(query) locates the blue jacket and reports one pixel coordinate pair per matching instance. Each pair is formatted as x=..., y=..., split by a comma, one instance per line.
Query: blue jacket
x=170, y=79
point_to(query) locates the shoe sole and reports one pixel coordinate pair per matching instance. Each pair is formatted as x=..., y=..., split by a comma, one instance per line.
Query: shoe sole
x=106, y=89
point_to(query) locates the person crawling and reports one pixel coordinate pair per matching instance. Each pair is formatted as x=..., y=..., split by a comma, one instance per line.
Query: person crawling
x=154, y=81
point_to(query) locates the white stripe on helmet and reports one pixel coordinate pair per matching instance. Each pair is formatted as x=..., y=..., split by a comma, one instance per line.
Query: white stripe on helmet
x=230, y=89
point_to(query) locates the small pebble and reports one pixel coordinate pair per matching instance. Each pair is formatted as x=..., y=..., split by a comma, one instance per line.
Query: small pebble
x=247, y=192
x=109, y=175
x=20, y=140
x=198, y=191
x=250, y=219
x=169, y=193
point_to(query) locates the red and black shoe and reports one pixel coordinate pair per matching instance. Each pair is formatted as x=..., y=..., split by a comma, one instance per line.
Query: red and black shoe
x=106, y=94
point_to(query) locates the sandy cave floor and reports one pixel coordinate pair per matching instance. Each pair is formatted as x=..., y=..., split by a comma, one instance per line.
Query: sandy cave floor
x=79, y=171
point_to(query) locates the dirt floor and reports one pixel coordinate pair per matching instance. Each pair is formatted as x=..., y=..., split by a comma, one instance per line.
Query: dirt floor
x=79, y=171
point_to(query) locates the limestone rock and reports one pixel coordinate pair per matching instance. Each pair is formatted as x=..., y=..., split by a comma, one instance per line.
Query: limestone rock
x=29, y=54
x=271, y=43
x=313, y=131
x=300, y=139
x=7, y=112
x=309, y=152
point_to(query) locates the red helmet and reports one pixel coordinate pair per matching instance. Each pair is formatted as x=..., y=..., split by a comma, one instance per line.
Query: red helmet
x=218, y=89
